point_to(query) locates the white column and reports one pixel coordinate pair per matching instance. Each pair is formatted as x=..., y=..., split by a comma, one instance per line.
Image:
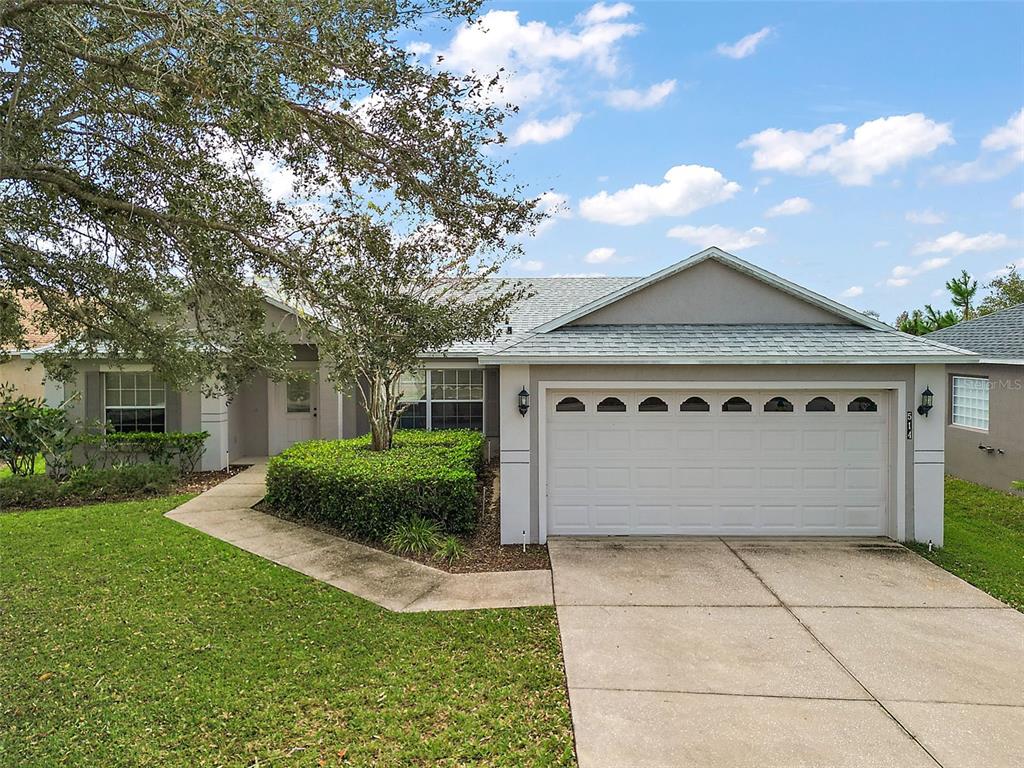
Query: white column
x=213, y=418
x=515, y=454
x=929, y=454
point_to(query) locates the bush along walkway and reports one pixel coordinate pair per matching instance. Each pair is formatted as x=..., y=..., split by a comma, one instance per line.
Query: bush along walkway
x=392, y=582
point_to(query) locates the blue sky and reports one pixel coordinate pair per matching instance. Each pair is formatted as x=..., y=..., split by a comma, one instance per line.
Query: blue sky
x=888, y=138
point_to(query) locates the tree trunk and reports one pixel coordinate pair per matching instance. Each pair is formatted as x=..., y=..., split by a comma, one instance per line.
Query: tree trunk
x=380, y=411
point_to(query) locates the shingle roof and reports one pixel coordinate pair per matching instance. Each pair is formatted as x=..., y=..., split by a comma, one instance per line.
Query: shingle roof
x=552, y=296
x=747, y=342
x=1000, y=334
x=33, y=336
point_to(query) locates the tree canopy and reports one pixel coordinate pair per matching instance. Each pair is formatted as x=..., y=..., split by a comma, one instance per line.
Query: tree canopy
x=136, y=137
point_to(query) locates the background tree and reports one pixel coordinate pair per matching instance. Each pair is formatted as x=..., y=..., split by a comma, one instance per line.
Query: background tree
x=375, y=301
x=962, y=290
x=135, y=138
x=1004, y=291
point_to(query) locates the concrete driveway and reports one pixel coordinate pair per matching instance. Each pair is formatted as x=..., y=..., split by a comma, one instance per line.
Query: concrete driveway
x=747, y=652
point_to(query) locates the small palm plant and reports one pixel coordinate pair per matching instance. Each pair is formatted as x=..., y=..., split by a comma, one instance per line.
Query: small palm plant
x=450, y=549
x=414, y=536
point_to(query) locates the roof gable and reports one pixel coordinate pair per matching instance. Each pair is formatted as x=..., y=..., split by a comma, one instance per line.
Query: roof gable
x=728, y=290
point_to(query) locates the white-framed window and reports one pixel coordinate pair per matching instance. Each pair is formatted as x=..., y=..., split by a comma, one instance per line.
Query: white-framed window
x=134, y=402
x=443, y=398
x=970, y=402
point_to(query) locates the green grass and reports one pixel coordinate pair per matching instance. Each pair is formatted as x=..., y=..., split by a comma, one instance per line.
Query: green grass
x=5, y=470
x=127, y=639
x=984, y=540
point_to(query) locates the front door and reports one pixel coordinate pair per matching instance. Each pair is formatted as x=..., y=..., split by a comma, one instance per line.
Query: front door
x=300, y=406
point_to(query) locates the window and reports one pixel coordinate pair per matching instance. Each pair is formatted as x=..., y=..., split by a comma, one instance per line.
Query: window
x=570, y=405
x=970, y=402
x=862, y=405
x=652, y=404
x=778, y=405
x=135, y=402
x=299, y=400
x=735, y=405
x=443, y=398
x=694, y=405
x=413, y=386
x=611, y=405
x=820, y=405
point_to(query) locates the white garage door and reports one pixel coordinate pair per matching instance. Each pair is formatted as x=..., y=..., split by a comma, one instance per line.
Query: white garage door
x=804, y=462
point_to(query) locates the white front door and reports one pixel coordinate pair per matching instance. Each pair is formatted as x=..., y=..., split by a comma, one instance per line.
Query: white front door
x=300, y=410
x=814, y=462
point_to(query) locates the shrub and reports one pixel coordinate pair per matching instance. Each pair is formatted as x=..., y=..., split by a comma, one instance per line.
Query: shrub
x=344, y=483
x=450, y=549
x=179, y=449
x=91, y=484
x=415, y=536
x=29, y=428
x=86, y=484
x=28, y=491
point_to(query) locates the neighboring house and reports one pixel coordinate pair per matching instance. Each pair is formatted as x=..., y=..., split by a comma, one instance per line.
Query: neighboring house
x=710, y=398
x=20, y=369
x=985, y=412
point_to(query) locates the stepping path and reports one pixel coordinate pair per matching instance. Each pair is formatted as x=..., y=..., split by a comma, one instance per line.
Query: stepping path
x=225, y=512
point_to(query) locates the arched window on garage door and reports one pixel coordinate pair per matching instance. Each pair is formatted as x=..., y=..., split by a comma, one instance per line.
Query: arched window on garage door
x=611, y=405
x=694, y=405
x=652, y=405
x=862, y=405
x=570, y=405
x=735, y=405
x=778, y=405
x=820, y=405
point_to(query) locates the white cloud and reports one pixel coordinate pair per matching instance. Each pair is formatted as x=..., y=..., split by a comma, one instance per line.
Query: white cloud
x=791, y=207
x=602, y=12
x=556, y=206
x=958, y=243
x=852, y=292
x=901, y=275
x=1017, y=201
x=1002, y=150
x=1007, y=136
x=599, y=255
x=1001, y=272
x=724, y=237
x=875, y=147
x=419, y=48
x=541, y=132
x=529, y=265
x=533, y=53
x=629, y=98
x=686, y=188
x=882, y=244
x=745, y=46
x=927, y=216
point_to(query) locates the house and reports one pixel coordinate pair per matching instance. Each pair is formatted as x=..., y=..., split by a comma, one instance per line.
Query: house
x=710, y=398
x=984, y=412
x=20, y=369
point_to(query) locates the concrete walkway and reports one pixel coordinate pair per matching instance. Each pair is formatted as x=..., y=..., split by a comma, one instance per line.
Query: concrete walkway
x=753, y=653
x=225, y=512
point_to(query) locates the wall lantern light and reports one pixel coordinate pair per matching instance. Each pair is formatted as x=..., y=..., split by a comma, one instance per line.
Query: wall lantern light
x=927, y=399
x=524, y=401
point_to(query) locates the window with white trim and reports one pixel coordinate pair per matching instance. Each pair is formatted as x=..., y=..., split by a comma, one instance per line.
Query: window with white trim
x=134, y=402
x=970, y=402
x=443, y=398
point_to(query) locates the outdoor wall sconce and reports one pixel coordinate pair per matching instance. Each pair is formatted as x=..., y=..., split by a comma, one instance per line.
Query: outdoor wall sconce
x=927, y=398
x=524, y=401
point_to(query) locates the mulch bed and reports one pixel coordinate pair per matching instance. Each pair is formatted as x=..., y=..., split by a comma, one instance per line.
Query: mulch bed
x=484, y=551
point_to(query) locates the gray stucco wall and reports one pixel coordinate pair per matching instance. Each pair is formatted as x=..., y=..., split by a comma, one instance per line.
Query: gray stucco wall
x=741, y=374
x=710, y=292
x=1005, y=430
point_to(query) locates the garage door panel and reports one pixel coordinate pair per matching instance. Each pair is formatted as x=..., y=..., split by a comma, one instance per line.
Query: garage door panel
x=707, y=473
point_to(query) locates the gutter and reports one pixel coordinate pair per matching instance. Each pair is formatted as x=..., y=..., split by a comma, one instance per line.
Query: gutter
x=726, y=360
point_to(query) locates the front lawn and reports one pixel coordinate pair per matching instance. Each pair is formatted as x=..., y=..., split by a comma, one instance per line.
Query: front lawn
x=984, y=540
x=127, y=639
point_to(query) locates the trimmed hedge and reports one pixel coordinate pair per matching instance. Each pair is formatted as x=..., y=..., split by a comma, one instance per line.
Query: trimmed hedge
x=87, y=484
x=366, y=493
